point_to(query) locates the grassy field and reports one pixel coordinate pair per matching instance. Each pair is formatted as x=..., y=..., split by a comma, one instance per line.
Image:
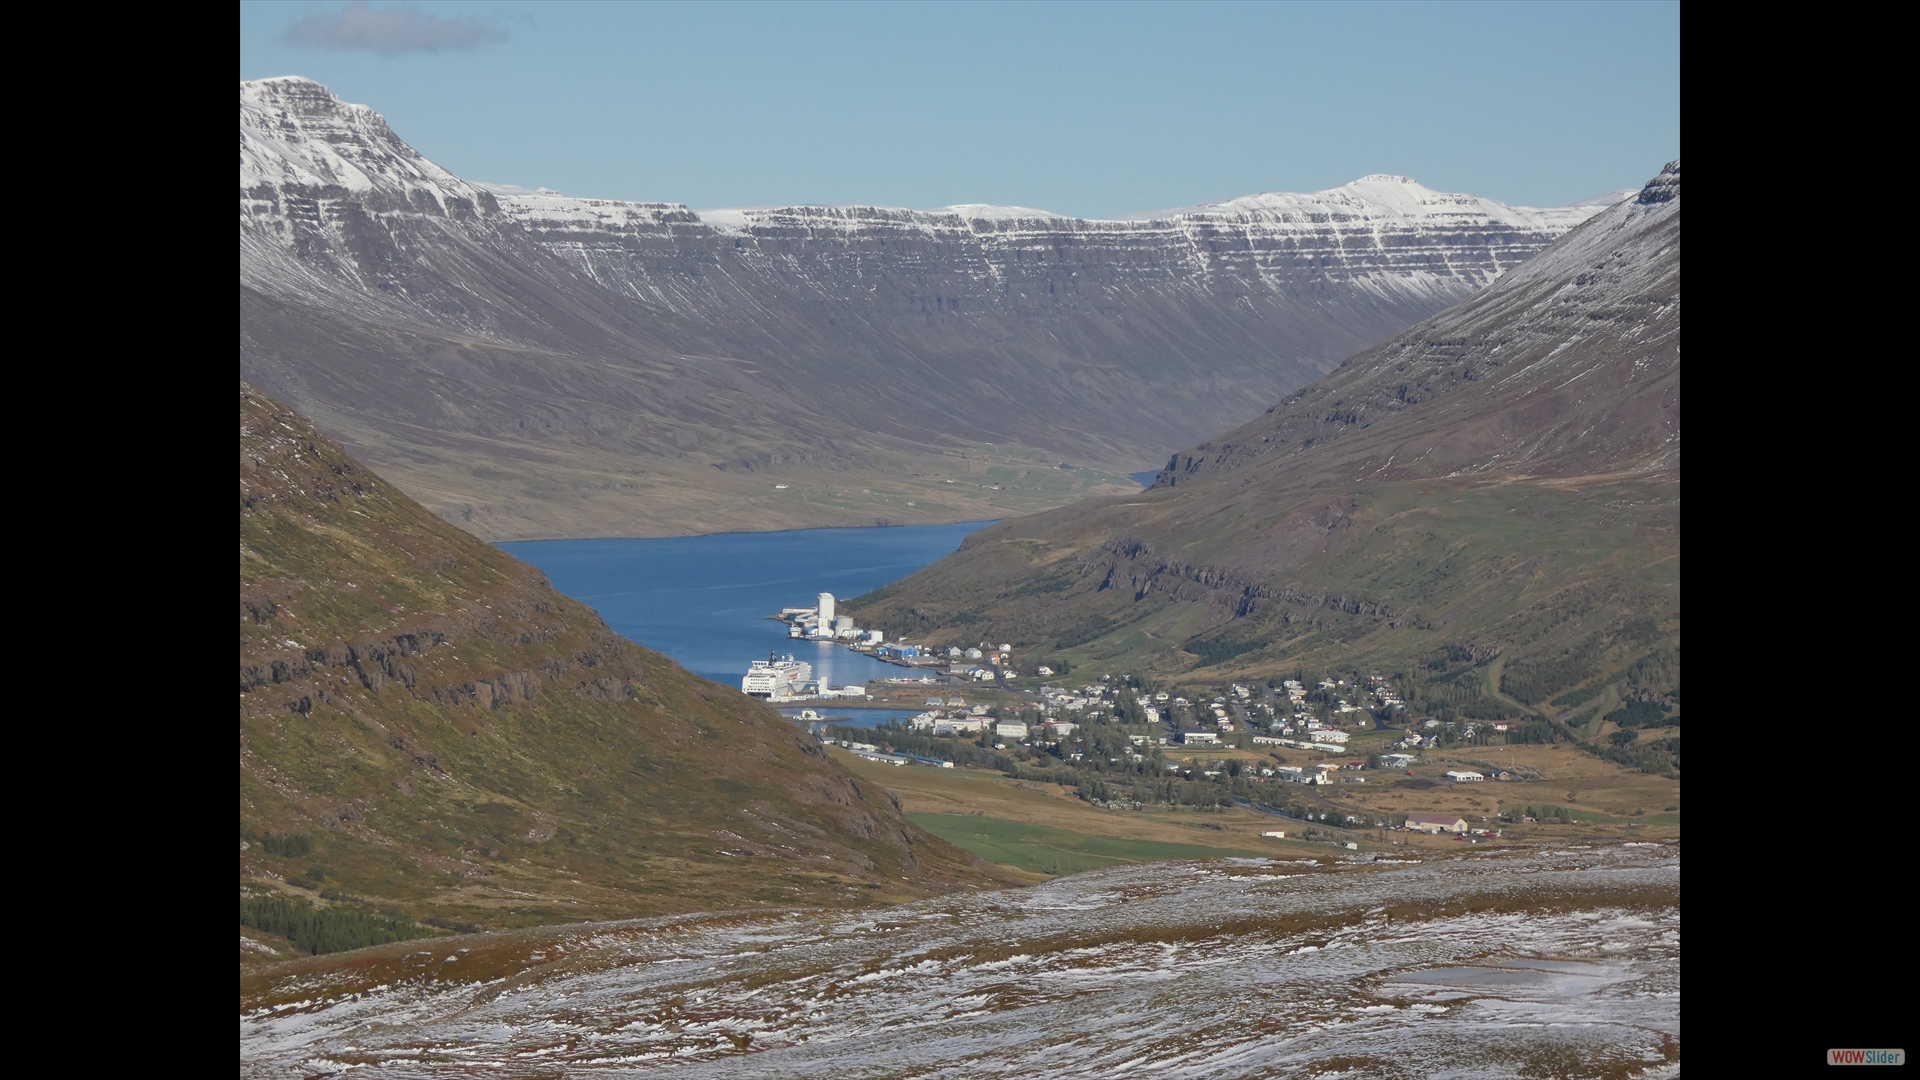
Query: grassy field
x=989, y=794
x=1606, y=800
x=1043, y=849
x=1085, y=829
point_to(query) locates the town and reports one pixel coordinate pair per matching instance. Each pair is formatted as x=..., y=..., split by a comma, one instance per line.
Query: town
x=1332, y=751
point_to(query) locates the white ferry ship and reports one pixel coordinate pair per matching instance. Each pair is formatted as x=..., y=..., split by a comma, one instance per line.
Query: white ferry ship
x=776, y=677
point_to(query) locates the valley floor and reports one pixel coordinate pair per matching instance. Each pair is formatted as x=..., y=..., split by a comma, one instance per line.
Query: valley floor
x=1605, y=798
x=513, y=490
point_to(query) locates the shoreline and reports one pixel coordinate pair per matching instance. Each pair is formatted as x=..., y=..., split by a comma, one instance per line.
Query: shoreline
x=983, y=523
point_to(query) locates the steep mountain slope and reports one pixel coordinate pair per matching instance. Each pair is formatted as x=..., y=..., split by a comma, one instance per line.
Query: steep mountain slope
x=426, y=725
x=1500, y=482
x=532, y=364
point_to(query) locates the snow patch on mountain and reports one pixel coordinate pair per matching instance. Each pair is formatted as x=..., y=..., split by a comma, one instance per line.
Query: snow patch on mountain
x=1380, y=197
x=516, y=189
x=989, y=212
x=306, y=155
x=1611, y=198
x=295, y=132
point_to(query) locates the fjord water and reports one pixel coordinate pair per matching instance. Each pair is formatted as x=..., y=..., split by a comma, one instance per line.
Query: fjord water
x=704, y=600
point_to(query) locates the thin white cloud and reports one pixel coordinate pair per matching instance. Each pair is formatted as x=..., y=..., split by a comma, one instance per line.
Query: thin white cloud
x=360, y=25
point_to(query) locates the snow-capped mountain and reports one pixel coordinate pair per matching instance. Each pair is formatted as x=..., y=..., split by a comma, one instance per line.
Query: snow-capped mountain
x=400, y=304
x=1386, y=235
x=1502, y=477
x=1571, y=364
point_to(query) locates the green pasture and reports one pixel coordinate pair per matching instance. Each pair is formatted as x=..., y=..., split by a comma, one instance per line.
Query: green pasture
x=1043, y=849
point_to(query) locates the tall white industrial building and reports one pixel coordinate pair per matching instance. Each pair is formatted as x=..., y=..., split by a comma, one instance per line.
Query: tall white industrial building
x=826, y=610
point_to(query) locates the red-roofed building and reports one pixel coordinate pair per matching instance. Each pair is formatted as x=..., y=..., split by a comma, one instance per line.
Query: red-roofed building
x=1437, y=823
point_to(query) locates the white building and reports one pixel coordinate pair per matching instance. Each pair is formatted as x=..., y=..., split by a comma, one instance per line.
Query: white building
x=1464, y=776
x=826, y=609
x=1010, y=729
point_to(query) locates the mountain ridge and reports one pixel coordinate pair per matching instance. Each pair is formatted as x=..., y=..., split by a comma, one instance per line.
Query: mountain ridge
x=1502, y=478
x=537, y=365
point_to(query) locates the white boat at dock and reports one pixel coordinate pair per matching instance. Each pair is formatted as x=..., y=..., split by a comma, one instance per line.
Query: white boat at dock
x=776, y=677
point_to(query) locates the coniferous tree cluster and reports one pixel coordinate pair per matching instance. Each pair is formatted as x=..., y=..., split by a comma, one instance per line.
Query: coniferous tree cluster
x=285, y=845
x=323, y=930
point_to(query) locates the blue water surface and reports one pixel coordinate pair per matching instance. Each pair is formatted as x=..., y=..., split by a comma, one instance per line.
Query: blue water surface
x=704, y=600
x=1145, y=479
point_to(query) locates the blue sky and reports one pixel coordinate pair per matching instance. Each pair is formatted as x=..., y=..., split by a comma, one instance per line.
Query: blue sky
x=1090, y=109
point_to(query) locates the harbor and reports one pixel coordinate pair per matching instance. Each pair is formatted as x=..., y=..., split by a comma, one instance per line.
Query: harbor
x=785, y=679
x=687, y=598
x=704, y=600
x=822, y=622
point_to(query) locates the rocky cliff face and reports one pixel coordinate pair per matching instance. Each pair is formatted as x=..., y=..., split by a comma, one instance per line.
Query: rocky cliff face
x=1504, y=474
x=434, y=320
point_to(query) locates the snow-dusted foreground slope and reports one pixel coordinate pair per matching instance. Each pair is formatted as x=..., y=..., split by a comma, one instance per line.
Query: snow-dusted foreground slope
x=1490, y=965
